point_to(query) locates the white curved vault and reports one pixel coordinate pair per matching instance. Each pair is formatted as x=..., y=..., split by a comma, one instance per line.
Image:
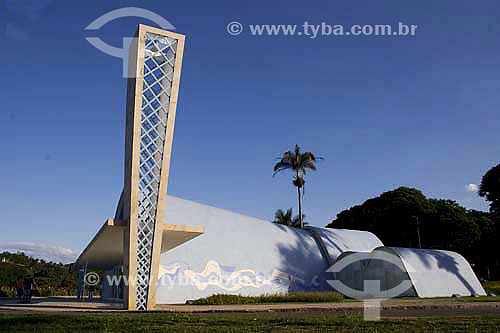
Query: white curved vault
x=438, y=273
x=432, y=273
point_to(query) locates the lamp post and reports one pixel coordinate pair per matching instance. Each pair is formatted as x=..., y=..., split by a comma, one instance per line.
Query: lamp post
x=418, y=231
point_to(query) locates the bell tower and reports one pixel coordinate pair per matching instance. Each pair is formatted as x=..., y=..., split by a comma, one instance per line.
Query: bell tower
x=155, y=61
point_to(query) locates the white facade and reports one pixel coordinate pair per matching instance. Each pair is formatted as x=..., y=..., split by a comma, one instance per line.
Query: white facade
x=238, y=254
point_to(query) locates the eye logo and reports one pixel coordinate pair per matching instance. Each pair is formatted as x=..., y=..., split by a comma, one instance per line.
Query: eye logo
x=372, y=293
x=127, y=41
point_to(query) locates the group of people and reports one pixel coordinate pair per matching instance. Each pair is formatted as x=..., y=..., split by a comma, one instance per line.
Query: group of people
x=25, y=286
x=81, y=293
x=81, y=288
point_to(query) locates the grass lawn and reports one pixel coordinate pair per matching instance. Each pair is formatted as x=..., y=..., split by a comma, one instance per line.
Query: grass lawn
x=327, y=297
x=140, y=322
x=318, y=297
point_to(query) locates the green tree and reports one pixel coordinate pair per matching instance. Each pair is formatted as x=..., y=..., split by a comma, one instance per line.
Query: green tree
x=283, y=217
x=286, y=218
x=452, y=227
x=393, y=217
x=47, y=274
x=297, y=162
x=490, y=188
x=397, y=217
x=488, y=265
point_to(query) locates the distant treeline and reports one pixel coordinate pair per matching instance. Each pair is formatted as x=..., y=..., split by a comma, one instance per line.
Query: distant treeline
x=50, y=278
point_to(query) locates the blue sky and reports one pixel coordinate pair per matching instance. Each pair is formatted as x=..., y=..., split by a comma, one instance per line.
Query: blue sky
x=384, y=111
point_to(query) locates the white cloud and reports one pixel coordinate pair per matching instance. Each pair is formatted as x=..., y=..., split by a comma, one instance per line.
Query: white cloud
x=472, y=187
x=41, y=251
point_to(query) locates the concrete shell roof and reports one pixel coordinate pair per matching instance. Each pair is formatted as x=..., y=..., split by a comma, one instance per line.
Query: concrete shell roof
x=438, y=273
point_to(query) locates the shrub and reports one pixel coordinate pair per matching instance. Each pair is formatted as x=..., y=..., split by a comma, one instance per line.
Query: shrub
x=295, y=297
x=7, y=292
x=492, y=287
x=53, y=291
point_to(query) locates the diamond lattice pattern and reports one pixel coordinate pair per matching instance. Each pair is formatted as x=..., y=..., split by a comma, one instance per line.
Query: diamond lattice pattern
x=159, y=57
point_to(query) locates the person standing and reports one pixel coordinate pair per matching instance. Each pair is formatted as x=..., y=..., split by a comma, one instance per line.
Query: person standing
x=29, y=283
x=80, y=288
x=20, y=288
x=91, y=292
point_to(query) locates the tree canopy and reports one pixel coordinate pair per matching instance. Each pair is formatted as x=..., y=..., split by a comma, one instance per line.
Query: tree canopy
x=490, y=188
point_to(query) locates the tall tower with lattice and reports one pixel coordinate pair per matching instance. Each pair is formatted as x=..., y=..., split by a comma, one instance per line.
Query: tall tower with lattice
x=155, y=62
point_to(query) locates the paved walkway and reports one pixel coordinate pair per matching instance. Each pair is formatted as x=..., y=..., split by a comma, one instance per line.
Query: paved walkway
x=399, y=306
x=354, y=306
x=57, y=304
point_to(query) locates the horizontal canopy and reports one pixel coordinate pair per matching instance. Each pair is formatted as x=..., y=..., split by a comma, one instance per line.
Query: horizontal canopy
x=106, y=249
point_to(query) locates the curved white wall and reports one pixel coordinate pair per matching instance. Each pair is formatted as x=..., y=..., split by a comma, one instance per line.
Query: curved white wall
x=432, y=273
x=243, y=255
x=436, y=273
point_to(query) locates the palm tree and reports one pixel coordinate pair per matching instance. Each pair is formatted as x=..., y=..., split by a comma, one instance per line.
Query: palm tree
x=282, y=217
x=297, y=162
x=285, y=218
x=297, y=223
